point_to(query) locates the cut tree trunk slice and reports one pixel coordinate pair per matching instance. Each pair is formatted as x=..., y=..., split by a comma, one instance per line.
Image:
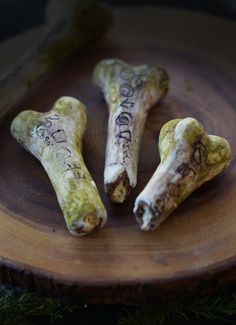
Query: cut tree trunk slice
x=195, y=249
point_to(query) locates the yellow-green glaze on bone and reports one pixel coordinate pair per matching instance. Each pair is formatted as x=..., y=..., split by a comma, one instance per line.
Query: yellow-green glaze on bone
x=129, y=92
x=55, y=139
x=189, y=158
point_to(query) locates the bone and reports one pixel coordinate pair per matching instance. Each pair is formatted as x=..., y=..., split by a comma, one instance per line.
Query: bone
x=189, y=158
x=70, y=25
x=55, y=139
x=129, y=92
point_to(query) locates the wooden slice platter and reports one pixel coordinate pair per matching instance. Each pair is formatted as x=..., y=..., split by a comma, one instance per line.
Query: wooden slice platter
x=195, y=249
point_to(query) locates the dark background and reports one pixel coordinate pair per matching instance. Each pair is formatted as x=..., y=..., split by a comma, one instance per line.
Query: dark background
x=18, y=15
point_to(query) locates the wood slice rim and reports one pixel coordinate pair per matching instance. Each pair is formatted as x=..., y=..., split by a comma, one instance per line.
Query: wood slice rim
x=192, y=252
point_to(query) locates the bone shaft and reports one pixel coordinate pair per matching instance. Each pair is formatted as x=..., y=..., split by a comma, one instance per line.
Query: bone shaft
x=70, y=178
x=164, y=192
x=123, y=142
x=157, y=187
x=68, y=165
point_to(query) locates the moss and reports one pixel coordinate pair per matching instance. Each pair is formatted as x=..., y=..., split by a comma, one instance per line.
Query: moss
x=78, y=205
x=164, y=80
x=166, y=138
x=21, y=126
x=219, y=151
x=82, y=201
x=193, y=131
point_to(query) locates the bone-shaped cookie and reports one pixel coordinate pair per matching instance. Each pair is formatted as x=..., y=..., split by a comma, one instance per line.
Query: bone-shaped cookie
x=189, y=158
x=129, y=93
x=55, y=139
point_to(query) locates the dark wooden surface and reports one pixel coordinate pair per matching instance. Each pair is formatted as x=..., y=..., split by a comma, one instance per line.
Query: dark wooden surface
x=17, y=16
x=195, y=249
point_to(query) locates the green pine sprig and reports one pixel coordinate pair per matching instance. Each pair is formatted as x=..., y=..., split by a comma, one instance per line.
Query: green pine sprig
x=23, y=308
x=221, y=307
x=17, y=307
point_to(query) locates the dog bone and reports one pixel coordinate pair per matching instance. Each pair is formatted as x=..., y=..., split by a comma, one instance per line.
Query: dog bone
x=189, y=158
x=129, y=93
x=55, y=139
